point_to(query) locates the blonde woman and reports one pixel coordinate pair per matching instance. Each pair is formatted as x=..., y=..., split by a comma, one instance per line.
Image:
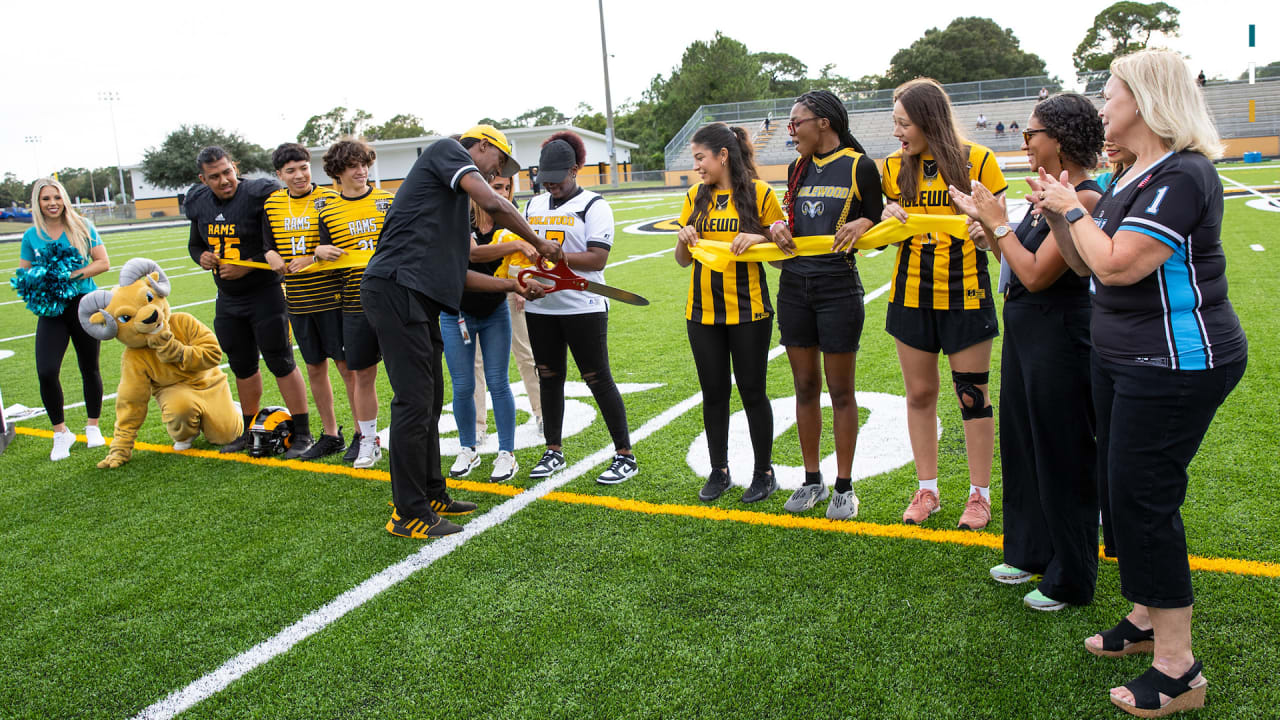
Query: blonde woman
x=57, y=223
x=1168, y=348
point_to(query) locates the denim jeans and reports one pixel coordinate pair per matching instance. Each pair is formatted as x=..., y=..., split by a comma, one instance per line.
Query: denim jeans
x=492, y=333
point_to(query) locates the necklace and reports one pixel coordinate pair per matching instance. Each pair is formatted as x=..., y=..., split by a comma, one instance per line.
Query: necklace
x=930, y=169
x=304, y=199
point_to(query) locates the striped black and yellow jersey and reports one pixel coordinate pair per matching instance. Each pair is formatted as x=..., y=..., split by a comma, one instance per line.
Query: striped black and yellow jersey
x=740, y=293
x=940, y=272
x=292, y=228
x=354, y=224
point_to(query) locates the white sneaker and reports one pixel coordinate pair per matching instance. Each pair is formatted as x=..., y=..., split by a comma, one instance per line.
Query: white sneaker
x=504, y=467
x=467, y=460
x=180, y=445
x=62, y=442
x=843, y=506
x=370, y=452
x=93, y=436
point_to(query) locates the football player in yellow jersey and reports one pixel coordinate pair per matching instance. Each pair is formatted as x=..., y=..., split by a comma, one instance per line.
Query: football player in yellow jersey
x=729, y=316
x=940, y=299
x=290, y=237
x=353, y=222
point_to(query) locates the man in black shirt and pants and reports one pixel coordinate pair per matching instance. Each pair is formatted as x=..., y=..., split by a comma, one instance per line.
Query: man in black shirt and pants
x=418, y=269
x=226, y=224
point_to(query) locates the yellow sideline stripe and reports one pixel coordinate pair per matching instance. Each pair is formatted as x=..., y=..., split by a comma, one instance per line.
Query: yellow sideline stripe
x=1256, y=568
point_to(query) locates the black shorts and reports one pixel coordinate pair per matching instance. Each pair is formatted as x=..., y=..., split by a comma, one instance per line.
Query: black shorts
x=822, y=310
x=319, y=335
x=359, y=342
x=254, y=323
x=946, y=331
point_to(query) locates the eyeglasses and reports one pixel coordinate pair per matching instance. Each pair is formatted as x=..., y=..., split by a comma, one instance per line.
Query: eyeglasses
x=1028, y=134
x=791, y=126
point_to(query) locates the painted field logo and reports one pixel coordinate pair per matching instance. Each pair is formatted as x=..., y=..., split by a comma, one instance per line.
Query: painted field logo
x=657, y=227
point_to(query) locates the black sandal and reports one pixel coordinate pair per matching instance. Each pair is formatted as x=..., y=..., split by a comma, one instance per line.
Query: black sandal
x=1149, y=685
x=1124, y=639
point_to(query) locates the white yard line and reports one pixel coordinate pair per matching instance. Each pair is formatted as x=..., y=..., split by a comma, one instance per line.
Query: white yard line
x=1270, y=200
x=1257, y=248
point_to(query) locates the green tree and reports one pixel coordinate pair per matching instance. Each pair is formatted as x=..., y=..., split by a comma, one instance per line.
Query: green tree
x=1123, y=28
x=970, y=48
x=1271, y=69
x=539, y=117
x=399, y=126
x=719, y=71
x=173, y=164
x=325, y=129
x=13, y=191
x=787, y=75
x=588, y=119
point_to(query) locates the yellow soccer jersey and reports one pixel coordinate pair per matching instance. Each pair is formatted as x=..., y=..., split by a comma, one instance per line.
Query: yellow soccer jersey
x=354, y=224
x=940, y=272
x=740, y=293
x=292, y=228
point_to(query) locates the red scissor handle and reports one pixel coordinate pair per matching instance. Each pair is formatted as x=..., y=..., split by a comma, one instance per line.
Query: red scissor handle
x=560, y=274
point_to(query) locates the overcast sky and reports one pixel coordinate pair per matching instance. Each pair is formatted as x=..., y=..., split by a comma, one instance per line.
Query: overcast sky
x=262, y=68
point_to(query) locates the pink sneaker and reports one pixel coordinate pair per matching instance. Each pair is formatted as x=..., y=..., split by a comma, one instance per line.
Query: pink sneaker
x=977, y=512
x=923, y=504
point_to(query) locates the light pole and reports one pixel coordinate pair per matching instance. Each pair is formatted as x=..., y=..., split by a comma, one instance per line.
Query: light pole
x=34, y=142
x=608, y=106
x=112, y=97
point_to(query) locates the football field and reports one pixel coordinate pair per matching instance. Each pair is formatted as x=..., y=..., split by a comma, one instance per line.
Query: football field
x=202, y=585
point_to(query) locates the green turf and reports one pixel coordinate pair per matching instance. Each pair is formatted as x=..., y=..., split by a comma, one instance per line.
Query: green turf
x=122, y=586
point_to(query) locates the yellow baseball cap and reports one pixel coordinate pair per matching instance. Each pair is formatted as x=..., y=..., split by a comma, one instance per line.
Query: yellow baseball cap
x=495, y=137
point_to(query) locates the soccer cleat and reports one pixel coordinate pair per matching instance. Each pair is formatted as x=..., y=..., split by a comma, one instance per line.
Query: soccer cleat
x=923, y=504
x=467, y=460
x=62, y=442
x=717, y=483
x=93, y=436
x=370, y=452
x=324, y=447
x=504, y=467
x=551, y=462
x=763, y=484
x=1009, y=575
x=353, y=450
x=180, y=445
x=805, y=497
x=299, y=445
x=622, y=467
x=1037, y=600
x=426, y=528
x=843, y=506
x=240, y=444
x=446, y=505
x=977, y=513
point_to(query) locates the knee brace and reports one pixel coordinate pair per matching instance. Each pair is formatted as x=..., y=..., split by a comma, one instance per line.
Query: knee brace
x=967, y=389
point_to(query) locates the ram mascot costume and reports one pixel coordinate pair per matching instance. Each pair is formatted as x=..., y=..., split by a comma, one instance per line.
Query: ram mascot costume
x=171, y=356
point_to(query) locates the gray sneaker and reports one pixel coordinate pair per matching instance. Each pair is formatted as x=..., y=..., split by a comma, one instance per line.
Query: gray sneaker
x=803, y=499
x=844, y=505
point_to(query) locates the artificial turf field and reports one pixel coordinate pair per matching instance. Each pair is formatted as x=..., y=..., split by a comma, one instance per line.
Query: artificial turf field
x=128, y=591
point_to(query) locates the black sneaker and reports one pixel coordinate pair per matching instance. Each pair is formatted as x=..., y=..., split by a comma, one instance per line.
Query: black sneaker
x=300, y=444
x=240, y=444
x=324, y=447
x=763, y=484
x=423, y=528
x=353, y=450
x=552, y=461
x=622, y=468
x=446, y=505
x=716, y=485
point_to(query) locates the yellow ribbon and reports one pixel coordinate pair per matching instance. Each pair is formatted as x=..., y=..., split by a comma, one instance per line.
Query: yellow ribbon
x=717, y=254
x=349, y=259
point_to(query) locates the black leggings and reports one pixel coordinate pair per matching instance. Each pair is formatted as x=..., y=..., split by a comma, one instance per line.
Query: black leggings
x=747, y=346
x=587, y=337
x=52, y=335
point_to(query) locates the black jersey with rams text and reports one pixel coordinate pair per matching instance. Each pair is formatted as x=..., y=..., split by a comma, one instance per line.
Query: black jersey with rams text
x=231, y=229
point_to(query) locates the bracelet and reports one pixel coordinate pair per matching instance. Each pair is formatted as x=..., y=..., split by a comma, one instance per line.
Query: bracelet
x=776, y=223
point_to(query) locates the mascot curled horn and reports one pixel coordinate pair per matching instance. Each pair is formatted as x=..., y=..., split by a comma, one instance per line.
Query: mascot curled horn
x=172, y=356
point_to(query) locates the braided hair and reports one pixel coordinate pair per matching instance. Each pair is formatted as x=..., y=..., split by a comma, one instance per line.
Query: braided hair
x=823, y=104
x=742, y=176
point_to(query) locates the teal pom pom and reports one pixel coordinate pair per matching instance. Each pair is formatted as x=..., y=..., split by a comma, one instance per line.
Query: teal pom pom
x=47, y=286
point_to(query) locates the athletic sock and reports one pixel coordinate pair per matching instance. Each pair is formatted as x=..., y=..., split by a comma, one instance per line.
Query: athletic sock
x=368, y=428
x=844, y=484
x=930, y=485
x=302, y=424
x=248, y=420
x=985, y=492
x=812, y=478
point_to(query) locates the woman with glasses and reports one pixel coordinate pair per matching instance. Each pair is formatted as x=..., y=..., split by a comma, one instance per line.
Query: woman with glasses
x=940, y=299
x=1047, y=451
x=833, y=188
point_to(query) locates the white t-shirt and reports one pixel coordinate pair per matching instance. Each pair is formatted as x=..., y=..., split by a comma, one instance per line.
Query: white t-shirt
x=580, y=223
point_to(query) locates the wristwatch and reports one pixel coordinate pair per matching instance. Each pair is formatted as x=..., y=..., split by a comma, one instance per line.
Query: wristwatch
x=1074, y=214
x=1000, y=231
